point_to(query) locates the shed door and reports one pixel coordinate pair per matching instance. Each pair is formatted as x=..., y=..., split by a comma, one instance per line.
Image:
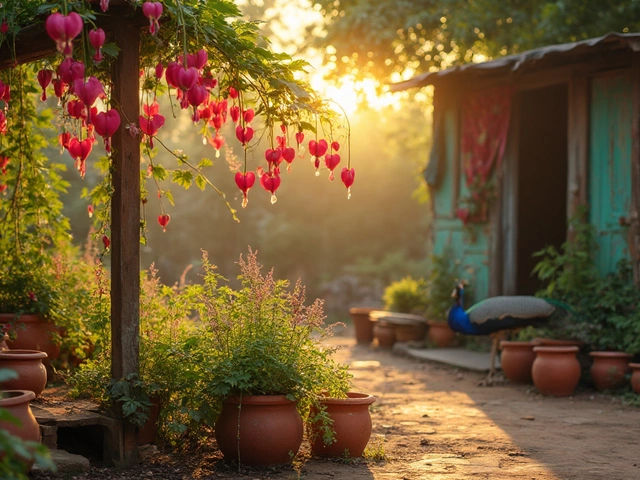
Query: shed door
x=610, y=166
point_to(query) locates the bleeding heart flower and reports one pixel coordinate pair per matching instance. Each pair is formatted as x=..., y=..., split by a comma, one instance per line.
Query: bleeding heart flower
x=44, y=79
x=63, y=29
x=335, y=146
x=70, y=71
x=209, y=82
x=58, y=87
x=234, y=112
x=270, y=181
x=159, y=70
x=171, y=73
x=273, y=157
x=90, y=210
x=153, y=11
x=104, y=5
x=88, y=92
x=248, y=115
x=233, y=93
x=332, y=161
x=80, y=150
x=216, y=121
x=96, y=39
x=106, y=242
x=197, y=60
x=64, y=139
x=4, y=161
x=217, y=142
x=106, y=124
x=151, y=125
x=186, y=77
x=245, y=182
x=289, y=154
x=244, y=135
x=151, y=109
x=163, y=220
x=318, y=149
x=281, y=141
x=299, y=138
x=76, y=109
x=348, y=175
x=197, y=95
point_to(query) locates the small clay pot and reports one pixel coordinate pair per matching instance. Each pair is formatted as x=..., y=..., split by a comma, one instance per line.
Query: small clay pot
x=517, y=360
x=609, y=368
x=16, y=403
x=440, y=333
x=32, y=374
x=149, y=431
x=410, y=332
x=261, y=429
x=635, y=377
x=552, y=342
x=556, y=370
x=351, y=425
x=363, y=324
x=384, y=333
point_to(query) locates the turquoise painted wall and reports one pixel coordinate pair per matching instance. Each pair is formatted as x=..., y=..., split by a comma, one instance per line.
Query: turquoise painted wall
x=471, y=248
x=610, y=166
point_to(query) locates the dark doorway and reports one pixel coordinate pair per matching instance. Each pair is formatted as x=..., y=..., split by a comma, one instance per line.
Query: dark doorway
x=542, y=178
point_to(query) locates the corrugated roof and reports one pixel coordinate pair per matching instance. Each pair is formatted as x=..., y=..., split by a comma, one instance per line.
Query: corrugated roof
x=512, y=63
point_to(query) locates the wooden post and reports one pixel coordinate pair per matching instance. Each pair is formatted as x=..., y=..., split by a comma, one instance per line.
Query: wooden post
x=125, y=224
x=634, y=214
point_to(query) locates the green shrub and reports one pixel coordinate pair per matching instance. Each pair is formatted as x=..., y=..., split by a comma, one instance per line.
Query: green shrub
x=408, y=295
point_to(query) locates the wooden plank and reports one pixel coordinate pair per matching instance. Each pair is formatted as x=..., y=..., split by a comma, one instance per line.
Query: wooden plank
x=578, y=140
x=125, y=222
x=634, y=214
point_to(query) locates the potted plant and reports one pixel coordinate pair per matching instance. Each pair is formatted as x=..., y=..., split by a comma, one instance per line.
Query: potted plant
x=264, y=362
x=402, y=319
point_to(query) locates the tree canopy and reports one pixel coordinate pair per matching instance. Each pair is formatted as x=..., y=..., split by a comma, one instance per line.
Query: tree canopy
x=406, y=37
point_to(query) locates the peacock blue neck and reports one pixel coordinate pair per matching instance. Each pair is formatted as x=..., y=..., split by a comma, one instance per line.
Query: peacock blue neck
x=458, y=319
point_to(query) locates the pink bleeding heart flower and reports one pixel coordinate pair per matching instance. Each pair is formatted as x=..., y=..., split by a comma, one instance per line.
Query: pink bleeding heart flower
x=205, y=113
x=209, y=81
x=245, y=182
x=88, y=92
x=197, y=60
x=106, y=242
x=244, y=135
x=234, y=112
x=63, y=29
x=58, y=87
x=270, y=181
x=197, y=95
x=104, y=5
x=233, y=93
x=273, y=157
x=281, y=141
x=150, y=109
x=153, y=11
x=299, y=138
x=106, y=124
x=186, y=77
x=318, y=149
x=44, y=79
x=171, y=73
x=76, y=109
x=70, y=71
x=248, y=115
x=332, y=161
x=151, y=125
x=90, y=210
x=289, y=154
x=348, y=175
x=216, y=121
x=63, y=139
x=217, y=142
x=335, y=146
x=163, y=220
x=159, y=70
x=96, y=39
x=80, y=150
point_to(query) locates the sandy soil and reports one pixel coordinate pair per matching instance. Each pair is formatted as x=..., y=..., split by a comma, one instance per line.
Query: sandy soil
x=434, y=422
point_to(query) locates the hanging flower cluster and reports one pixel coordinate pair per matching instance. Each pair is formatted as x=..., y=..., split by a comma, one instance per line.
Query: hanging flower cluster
x=210, y=93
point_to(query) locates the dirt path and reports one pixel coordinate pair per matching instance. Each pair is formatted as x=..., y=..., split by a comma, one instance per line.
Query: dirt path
x=434, y=422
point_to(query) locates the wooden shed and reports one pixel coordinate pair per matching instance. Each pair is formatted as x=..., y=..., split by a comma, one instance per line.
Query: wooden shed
x=521, y=141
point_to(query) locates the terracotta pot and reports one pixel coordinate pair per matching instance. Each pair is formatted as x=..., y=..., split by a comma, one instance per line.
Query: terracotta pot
x=440, y=333
x=261, y=429
x=17, y=404
x=149, y=431
x=410, y=332
x=516, y=360
x=635, y=377
x=552, y=342
x=556, y=370
x=362, y=324
x=385, y=333
x=33, y=332
x=28, y=364
x=351, y=424
x=609, y=368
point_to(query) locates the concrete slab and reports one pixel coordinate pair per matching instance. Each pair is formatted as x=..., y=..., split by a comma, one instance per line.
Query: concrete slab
x=66, y=464
x=456, y=357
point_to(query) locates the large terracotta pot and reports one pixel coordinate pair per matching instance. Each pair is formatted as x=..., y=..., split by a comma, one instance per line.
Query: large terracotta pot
x=363, y=324
x=609, y=368
x=351, y=424
x=556, y=370
x=28, y=364
x=260, y=429
x=385, y=334
x=149, y=431
x=410, y=332
x=16, y=402
x=517, y=359
x=32, y=332
x=440, y=333
x=635, y=377
x=552, y=342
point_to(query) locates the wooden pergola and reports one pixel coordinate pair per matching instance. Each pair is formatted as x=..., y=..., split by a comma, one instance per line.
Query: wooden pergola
x=122, y=26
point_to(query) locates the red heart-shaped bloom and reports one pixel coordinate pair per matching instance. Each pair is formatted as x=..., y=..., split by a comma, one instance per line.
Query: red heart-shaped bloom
x=106, y=123
x=76, y=109
x=186, y=77
x=217, y=142
x=289, y=154
x=88, y=92
x=70, y=71
x=97, y=38
x=163, y=220
x=80, y=150
x=245, y=181
x=348, y=175
x=248, y=115
x=318, y=149
x=150, y=109
x=152, y=10
x=299, y=138
x=197, y=95
x=270, y=181
x=335, y=146
x=171, y=73
x=244, y=134
x=273, y=156
x=332, y=161
x=151, y=125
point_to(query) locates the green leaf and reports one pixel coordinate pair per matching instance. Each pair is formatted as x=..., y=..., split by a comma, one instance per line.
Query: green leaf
x=205, y=162
x=201, y=182
x=159, y=172
x=184, y=178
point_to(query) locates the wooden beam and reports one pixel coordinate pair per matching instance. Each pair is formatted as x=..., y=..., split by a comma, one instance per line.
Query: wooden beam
x=125, y=221
x=634, y=214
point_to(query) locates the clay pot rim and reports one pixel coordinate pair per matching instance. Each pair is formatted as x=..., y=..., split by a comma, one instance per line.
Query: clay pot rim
x=386, y=315
x=23, y=318
x=258, y=400
x=513, y=343
x=634, y=365
x=553, y=342
x=16, y=397
x=355, y=398
x=21, y=354
x=437, y=323
x=566, y=349
x=362, y=310
x=605, y=354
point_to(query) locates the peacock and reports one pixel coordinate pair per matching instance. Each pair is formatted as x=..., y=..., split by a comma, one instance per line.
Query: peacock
x=496, y=315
